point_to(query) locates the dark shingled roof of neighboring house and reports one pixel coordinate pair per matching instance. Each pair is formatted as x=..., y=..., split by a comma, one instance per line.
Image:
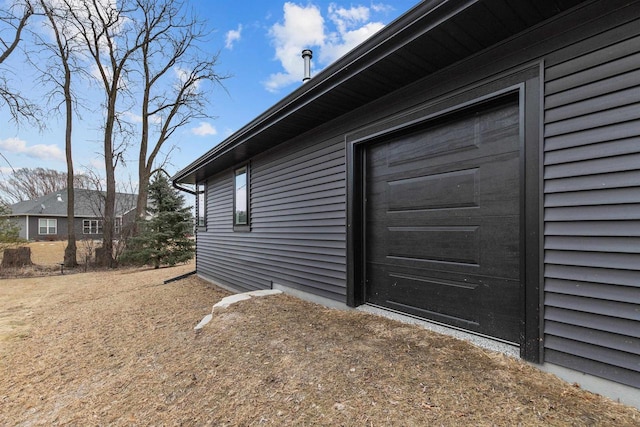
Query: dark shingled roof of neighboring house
x=88, y=203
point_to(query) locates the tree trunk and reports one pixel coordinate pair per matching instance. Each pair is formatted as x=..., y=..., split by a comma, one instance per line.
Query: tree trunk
x=144, y=167
x=18, y=257
x=99, y=254
x=141, y=202
x=106, y=257
x=70, y=252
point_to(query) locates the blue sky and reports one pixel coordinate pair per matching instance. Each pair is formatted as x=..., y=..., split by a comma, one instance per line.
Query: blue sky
x=259, y=44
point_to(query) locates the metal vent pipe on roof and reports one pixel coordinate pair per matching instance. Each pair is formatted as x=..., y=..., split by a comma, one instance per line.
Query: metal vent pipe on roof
x=307, y=54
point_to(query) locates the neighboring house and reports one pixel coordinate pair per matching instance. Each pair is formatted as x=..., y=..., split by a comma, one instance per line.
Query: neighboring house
x=45, y=218
x=474, y=163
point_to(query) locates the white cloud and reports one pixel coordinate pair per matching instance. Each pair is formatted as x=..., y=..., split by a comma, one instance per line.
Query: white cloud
x=344, y=42
x=136, y=118
x=86, y=13
x=204, y=129
x=181, y=74
x=132, y=117
x=304, y=27
x=233, y=36
x=381, y=7
x=186, y=76
x=94, y=71
x=38, y=151
x=347, y=18
x=96, y=164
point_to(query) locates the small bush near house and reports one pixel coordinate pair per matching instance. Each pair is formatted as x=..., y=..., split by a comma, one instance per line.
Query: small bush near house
x=12, y=255
x=163, y=239
x=9, y=230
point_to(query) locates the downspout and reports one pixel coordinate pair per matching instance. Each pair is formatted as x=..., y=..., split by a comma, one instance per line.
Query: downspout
x=195, y=193
x=27, y=229
x=185, y=189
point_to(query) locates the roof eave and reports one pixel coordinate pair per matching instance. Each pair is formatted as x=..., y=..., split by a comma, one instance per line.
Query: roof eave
x=371, y=50
x=371, y=71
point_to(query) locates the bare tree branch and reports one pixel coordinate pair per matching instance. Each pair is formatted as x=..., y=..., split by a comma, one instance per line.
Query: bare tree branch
x=172, y=38
x=13, y=22
x=28, y=184
x=9, y=19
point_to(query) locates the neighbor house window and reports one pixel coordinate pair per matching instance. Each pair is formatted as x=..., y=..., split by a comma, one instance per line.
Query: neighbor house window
x=91, y=226
x=117, y=225
x=241, y=198
x=47, y=226
x=201, y=206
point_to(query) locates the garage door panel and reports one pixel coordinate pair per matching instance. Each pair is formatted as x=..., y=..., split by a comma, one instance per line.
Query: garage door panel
x=436, y=191
x=456, y=244
x=443, y=222
x=441, y=292
x=459, y=138
x=438, y=143
x=463, y=301
x=481, y=247
x=500, y=247
x=450, y=187
x=435, y=297
x=385, y=172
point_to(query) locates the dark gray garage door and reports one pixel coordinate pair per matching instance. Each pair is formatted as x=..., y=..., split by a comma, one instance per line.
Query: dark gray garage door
x=443, y=222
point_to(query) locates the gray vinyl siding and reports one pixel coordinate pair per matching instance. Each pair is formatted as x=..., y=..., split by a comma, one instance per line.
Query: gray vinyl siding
x=592, y=206
x=21, y=223
x=34, y=230
x=62, y=228
x=297, y=214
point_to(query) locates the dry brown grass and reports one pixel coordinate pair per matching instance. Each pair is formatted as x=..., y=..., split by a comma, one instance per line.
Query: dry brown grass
x=47, y=253
x=52, y=253
x=119, y=348
x=46, y=257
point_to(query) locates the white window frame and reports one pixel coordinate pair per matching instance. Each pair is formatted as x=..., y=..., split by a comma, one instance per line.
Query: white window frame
x=91, y=226
x=47, y=226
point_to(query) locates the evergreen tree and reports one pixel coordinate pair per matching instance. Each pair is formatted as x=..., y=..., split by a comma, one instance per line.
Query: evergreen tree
x=9, y=230
x=163, y=239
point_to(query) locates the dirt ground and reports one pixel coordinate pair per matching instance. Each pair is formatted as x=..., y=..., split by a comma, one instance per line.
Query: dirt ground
x=119, y=348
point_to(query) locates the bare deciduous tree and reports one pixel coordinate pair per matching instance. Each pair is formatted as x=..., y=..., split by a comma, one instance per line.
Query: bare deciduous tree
x=174, y=71
x=60, y=68
x=109, y=38
x=152, y=39
x=29, y=184
x=13, y=21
